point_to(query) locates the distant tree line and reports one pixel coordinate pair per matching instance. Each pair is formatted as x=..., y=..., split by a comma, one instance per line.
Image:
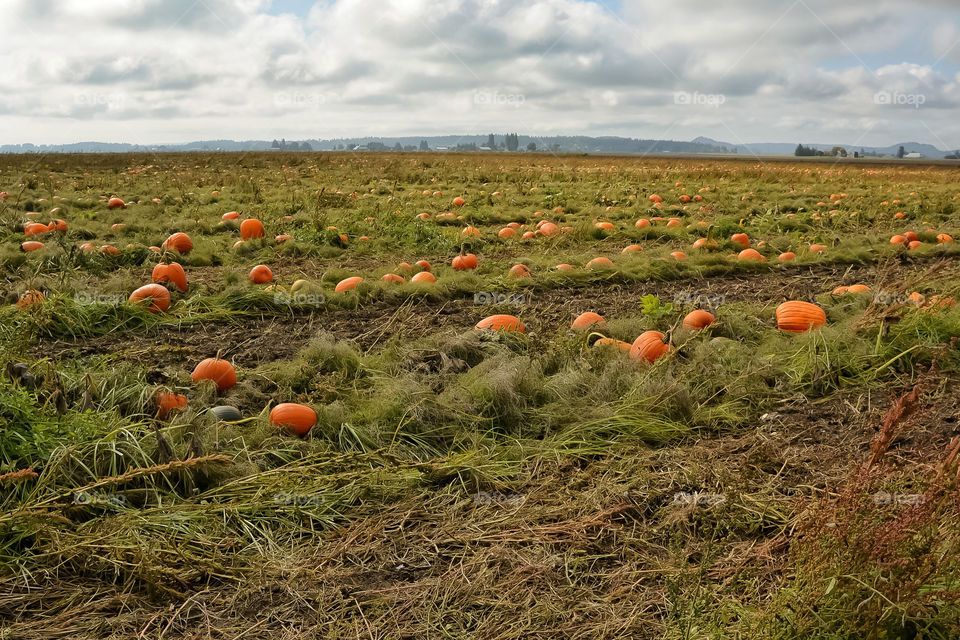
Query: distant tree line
x=283, y=145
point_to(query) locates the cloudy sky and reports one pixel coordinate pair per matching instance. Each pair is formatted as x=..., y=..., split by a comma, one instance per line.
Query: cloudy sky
x=858, y=72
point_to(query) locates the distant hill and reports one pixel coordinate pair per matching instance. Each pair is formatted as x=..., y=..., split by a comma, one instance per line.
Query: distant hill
x=558, y=144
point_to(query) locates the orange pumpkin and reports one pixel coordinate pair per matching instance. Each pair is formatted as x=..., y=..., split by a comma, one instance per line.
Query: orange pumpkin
x=466, y=262
x=817, y=248
x=283, y=237
x=29, y=298
x=298, y=418
x=678, y=255
x=116, y=203
x=172, y=272
x=179, y=242
x=857, y=288
x=230, y=215
x=392, y=277
x=705, y=244
x=110, y=250
x=31, y=245
x=519, y=271
x=348, y=284
x=58, y=225
x=787, y=256
x=168, y=403
x=220, y=371
x=501, y=322
x=424, y=276
x=506, y=232
x=423, y=264
x=914, y=244
x=604, y=226
x=586, y=320
x=751, y=254
x=613, y=343
x=649, y=346
x=697, y=320
x=564, y=267
x=642, y=223
x=156, y=295
x=549, y=229
x=600, y=263
x=261, y=274
x=251, y=228
x=911, y=236
x=471, y=231
x=742, y=239
x=632, y=248
x=898, y=239
x=944, y=237
x=797, y=317
x=459, y=202
x=35, y=229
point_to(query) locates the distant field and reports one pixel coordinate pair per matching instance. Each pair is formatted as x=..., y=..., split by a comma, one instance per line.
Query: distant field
x=443, y=481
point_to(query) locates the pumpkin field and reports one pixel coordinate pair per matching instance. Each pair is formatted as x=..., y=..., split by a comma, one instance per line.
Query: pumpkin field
x=441, y=395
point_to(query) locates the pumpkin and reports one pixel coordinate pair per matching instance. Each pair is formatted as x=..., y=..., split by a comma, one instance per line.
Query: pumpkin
x=506, y=232
x=857, y=288
x=466, y=262
x=649, y=346
x=392, y=277
x=817, y=248
x=656, y=198
x=642, y=223
x=423, y=264
x=914, y=244
x=685, y=199
x=943, y=237
x=29, y=298
x=227, y=413
x=697, y=320
x=348, y=284
x=261, y=274
x=549, y=229
x=459, y=202
x=172, y=272
x=600, y=263
x=898, y=239
x=87, y=246
x=298, y=418
x=110, y=250
x=35, y=229
x=787, y=256
x=742, y=239
x=31, y=245
x=156, y=295
x=528, y=235
x=678, y=255
x=519, y=271
x=705, y=244
x=220, y=371
x=117, y=227
x=471, y=231
x=58, y=225
x=179, y=242
x=564, y=267
x=116, y=203
x=613, y=343
x=916, y=298
x=751, y=254
x=405, y=266
x=424, y=276
x=587, y=320
x=251, y=228
x=632, y=248
x=940, y=302
x=230, y=215
x=167, y=403
x=911, y=236
x=501, y=322
x=839, y=291
x=283, y=237
x=673, y=222
x=797, y=317
x=604, y=226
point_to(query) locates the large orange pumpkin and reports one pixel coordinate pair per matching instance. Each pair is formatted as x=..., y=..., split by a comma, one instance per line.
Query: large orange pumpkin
x=261, y=274
x=797, y=316
x=424, y=276
x=392, y=277
x=588, y=320
x=168, y=403
x=31, y=245
x=35, y=229
x=348, y=284
x=220, y=371
x=600, y=263
x=58, y=225
x=501, y=322
x=741, y=239
x=116, y=203
x=156, y=295
x=649, y=346
x=519, y=271
x=172, y=272
x=466, y=262
x=697, y=320
x=179, y=242
x=298, y=418
x=549, y=229
x=751, y=254
x=251, y=228
x=787, y=256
